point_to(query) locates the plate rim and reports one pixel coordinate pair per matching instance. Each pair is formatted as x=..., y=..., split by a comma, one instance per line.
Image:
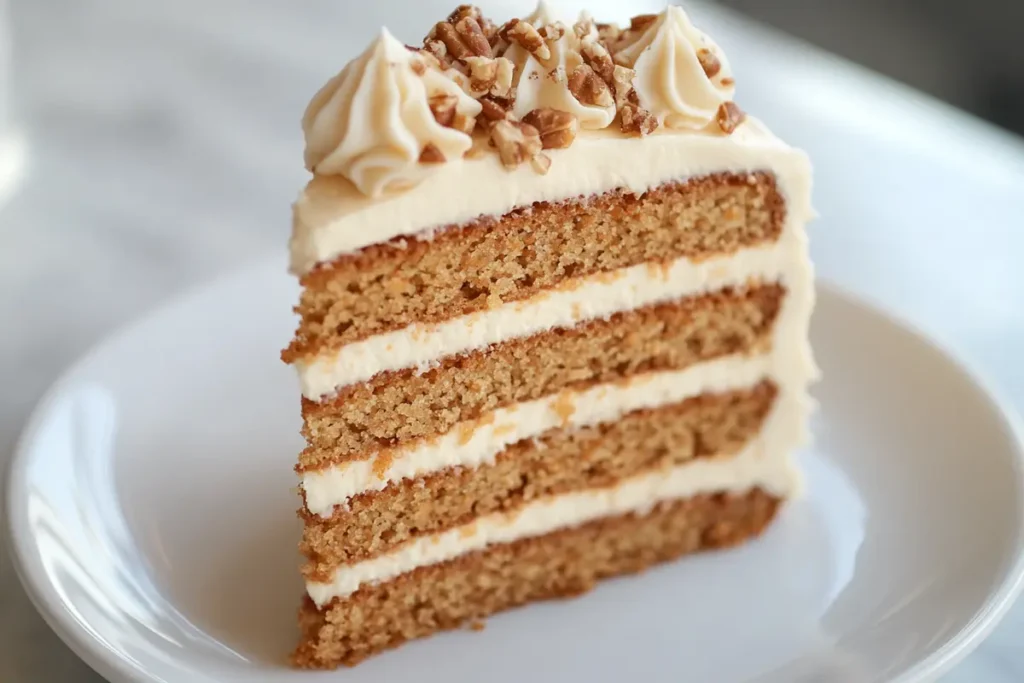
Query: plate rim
x=86, y=647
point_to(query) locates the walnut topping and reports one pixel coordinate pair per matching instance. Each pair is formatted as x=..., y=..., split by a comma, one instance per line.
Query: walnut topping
x=489, y=76
x=608, y=33
x=709, y=62
x=642, y=21
x=557, y=128
x=636, y=120
x=494, y=110
x=541, y=163
x=599, y=59
x=463, y=123
x=587, y=87
x=584, y=27
x=516, y=142
x=462, y=40
x=622, y=84
x=437, y=50
x=443, y=108
x=726, y=82
x=552, y=32
x=432, y=155
x=527, y=37
x=729, y=117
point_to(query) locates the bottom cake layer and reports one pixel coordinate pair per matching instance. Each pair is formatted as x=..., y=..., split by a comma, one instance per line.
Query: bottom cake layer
x=561, y=564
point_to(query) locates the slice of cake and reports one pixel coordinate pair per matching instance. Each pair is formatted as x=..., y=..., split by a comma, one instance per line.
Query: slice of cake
x=554, y=321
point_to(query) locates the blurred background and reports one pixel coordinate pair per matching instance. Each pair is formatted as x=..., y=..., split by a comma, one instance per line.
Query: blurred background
x=970, y=54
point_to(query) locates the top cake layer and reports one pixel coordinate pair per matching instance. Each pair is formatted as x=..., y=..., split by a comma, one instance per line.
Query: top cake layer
x=487, y=118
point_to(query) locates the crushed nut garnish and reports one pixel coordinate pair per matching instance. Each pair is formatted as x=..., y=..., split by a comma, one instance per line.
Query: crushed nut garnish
x=726, y=82
x=637, y=120
x=443, y=107
x=541, y=163
x=642, y=21
x=709, y=62
x=597, y=57
x=464, y=39
x=622, y=84
x=432, y=155
x=729, y=117
x=589, y=88
x=557, y=128
x=494, y=109
x=526, y=36
x=516, y=142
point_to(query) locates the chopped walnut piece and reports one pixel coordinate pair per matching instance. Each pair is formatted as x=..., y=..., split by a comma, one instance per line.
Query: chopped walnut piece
x=541, y=163
x=599, y=59
x=483, y=72
x=489, y=76
x=418, y=67
x=729, y=117
x=709, y=62
x=587, y=87
x=516, y=142
x=443, y=108
x=503, y=82
x=463, y=124
x=432, y=155
x=608, y=33
x=637, y=120
x=557, y=128
x=726, y=82
x=526, y=36
x=466, y=39
x=552, y=32
x=622, y=84
x=584, y=27
x=493, y=110
x=641, y=21
x=437, y=50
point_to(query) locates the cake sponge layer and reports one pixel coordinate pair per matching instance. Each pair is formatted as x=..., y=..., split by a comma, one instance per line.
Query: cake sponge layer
x=464, y=269
x=559, y=461
x=560, y=564
x=408, y=404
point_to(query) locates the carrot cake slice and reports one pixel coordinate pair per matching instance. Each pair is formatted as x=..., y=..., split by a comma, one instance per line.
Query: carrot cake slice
x=553, y=321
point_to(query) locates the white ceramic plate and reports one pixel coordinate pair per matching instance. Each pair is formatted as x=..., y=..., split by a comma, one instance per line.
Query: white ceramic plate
x=152, y=522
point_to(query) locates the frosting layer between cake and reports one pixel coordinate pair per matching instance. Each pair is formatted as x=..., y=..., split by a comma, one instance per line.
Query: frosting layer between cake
x=332, y=217
x=765, y=463
x=784, y=261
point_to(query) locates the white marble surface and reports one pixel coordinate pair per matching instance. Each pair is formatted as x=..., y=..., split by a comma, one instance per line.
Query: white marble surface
x=164, y=149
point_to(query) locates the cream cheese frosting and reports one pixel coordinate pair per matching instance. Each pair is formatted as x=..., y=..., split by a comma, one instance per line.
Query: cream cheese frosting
x=372, y=123
x=682, y=76
x=764, y=463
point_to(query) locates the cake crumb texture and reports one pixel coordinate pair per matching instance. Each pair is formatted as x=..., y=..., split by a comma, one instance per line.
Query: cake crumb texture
x=560, y=461
x=469, y=268
x=562, y=564
x=406, y=404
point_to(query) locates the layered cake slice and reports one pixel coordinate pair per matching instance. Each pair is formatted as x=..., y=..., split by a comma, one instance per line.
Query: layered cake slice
x=553, y=326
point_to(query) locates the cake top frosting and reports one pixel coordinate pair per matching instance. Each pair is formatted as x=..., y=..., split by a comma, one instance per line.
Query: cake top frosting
x=396, y=114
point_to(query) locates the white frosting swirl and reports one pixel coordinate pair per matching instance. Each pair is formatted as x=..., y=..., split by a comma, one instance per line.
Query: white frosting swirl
x=546, y=83
x=670, y=80
x=371, y=122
